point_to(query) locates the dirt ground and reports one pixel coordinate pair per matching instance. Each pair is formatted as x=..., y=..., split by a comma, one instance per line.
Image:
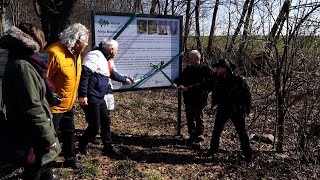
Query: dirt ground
x=144, y=131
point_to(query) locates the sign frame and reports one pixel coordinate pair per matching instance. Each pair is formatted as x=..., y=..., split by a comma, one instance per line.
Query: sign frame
x=157, y=72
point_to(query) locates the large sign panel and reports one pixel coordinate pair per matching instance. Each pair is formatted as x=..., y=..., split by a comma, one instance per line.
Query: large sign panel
x=149, y=47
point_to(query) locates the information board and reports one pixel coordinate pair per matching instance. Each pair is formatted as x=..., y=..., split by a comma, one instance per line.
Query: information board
x=149, y=47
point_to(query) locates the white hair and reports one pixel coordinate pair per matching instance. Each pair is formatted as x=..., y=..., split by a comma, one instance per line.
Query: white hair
x=109, y=43
x=73, y=33
x=195, y=53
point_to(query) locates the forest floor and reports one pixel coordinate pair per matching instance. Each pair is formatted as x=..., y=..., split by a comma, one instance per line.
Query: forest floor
x=144, y=131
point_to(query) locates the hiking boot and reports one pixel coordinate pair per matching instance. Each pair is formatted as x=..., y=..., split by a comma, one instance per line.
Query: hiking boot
x=109, y=151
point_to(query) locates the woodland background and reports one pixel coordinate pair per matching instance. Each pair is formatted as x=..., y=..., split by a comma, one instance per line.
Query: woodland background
x=275, y=44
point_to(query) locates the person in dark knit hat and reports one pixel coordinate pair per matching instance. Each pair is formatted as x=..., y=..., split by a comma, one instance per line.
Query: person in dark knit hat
x=233, y=97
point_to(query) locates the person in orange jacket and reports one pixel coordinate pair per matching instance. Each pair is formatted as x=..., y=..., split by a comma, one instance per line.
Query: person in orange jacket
x=64, y=70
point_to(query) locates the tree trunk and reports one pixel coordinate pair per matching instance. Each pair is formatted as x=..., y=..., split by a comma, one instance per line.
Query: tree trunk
x=186, y=27
x=153, y=6
x=55, y=17
x=172, y=6
x=236, y=32
x=165, y=12
x=229, y=27
x=4, y=4
x=197, y=21
x=244, y=40
x=137, y=6
x=280, y=20
x=280, y=73
x=213, y=27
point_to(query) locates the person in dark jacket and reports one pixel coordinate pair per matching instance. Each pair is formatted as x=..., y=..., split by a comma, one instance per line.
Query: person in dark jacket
x=94, y=85
x=195, y=96
x=232, y=95
x=24, y=95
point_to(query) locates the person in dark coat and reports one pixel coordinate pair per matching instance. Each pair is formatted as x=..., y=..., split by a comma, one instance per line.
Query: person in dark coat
x=24, y=95
x=94, y=85
x=232, y=95
x=195, y=96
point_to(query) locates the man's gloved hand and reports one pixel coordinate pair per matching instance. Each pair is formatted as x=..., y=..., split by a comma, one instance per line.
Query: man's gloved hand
x=53, y=99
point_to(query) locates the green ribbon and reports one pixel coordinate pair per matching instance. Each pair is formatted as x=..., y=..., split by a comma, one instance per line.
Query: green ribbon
x=134, y=15
x=159, y=68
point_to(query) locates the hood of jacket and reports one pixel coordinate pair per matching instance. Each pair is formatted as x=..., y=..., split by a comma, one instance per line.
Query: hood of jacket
x=18, y=41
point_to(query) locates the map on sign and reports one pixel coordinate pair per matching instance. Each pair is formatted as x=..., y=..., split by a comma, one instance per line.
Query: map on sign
x=149, y=47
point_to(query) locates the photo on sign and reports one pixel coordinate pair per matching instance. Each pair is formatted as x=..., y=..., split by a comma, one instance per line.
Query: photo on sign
x=142, y=26
x=152, y=27
x=173, y=27
x=163, y=29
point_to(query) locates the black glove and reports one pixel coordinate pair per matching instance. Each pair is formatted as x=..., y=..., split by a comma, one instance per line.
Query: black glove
x=53, y=99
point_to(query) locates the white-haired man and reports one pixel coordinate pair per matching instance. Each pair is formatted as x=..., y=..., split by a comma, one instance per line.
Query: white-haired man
x=191, y=83
x=64, y=70
x=97, y=68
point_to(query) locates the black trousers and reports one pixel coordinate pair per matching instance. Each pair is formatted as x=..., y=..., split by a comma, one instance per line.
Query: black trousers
x=238, y=120
x=64, y=126
x=96, y=115
x=195, y=122
x=38, y=172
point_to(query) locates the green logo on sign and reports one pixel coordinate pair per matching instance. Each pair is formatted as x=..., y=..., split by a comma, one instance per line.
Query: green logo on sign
x=103, y=22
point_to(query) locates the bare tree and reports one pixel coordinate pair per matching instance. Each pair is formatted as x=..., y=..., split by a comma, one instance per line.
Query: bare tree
x=138, y=6
x=172, y=6
x=3, y=6
x=165, y=11
x=187, y=25
x=55, y=16
x=213, y=26
x=244, y=40
x=16, y=9
x=197, y=21
x=21, y=11
x=279, y=70
x=241, y=21
x=154, y=4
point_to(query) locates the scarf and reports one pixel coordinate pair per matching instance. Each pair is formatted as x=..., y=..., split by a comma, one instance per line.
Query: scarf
x=40, y=63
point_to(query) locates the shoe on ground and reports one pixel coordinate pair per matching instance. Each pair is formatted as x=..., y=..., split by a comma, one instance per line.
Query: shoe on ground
x=109, y=151
x=71, y=164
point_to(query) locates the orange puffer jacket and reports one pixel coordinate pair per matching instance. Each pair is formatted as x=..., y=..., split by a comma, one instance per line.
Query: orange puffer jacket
x=64, y=70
